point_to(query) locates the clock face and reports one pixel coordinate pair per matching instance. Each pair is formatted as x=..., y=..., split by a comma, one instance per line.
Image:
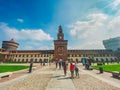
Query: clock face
x=60, y=49
x=60, y=37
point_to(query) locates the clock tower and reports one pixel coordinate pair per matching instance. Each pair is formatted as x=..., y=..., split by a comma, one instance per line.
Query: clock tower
x=60, y=46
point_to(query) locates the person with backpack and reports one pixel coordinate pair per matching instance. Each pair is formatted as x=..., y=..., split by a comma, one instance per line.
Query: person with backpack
x=76, y=69
x=72, y=68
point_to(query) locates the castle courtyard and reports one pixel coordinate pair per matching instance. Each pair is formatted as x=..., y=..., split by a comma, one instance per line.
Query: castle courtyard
x=49, y=78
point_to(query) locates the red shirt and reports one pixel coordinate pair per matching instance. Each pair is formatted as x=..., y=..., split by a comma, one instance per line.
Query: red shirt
x=72, y=67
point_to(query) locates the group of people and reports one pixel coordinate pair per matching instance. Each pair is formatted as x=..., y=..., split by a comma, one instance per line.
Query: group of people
x=86, y=63
x=74, y=68
x=44, y=62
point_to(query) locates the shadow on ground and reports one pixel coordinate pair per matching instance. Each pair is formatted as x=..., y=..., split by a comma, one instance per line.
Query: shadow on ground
x=56, y=76
x=62, y=78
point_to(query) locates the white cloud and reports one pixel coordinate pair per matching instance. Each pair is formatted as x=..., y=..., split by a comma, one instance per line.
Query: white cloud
x=96, y=28
x=33, y=45
x=25, y=34
x=30, y=39
x=20, y=20
x=116, y=3
x=92, y=45
x=85, y=29
x=97, y=17
x=114, y=26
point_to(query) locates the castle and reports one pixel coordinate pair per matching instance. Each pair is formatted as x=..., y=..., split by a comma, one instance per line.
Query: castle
x=9, y=52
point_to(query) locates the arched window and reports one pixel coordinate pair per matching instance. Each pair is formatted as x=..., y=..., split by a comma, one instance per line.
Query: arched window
x=18, y=60
x=22, y=60
x=35, y=60
x=26, y=60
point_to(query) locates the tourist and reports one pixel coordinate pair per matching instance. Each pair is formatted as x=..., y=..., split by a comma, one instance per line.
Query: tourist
x=40, y=62
x=44, y=62
x=72, y=68
x=56, y=64
x=60, y=63
x=76, y=69
x=66, y=62
x=87, y=65
x=30, y=67
x=64, y=67
x=83, y=61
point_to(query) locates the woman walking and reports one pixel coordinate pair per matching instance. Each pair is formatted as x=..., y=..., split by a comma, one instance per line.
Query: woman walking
x=72, y=68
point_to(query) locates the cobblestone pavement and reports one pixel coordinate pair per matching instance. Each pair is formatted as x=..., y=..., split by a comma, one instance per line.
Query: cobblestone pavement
x=87, y=82
x=91, y=80
x=40, y=80
x=35, y=81
x=60, y=82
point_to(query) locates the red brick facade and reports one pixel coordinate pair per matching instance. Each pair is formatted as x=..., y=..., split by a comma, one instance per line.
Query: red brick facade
x=60, y=46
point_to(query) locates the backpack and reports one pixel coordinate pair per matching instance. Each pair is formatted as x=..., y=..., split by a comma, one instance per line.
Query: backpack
x=76, y=68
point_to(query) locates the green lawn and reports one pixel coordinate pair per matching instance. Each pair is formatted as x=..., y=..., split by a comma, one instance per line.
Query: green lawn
x=11, y=68
x=109, y=68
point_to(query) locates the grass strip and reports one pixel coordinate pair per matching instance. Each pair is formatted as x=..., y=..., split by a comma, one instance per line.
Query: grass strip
x=109, y=68
x=11, y=68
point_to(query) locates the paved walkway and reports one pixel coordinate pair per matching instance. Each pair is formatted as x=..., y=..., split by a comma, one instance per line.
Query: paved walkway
x=43, y=79
x=89, y=80
x=60, y=82
x=49, y=78
x=36, y=80
x=105, y=77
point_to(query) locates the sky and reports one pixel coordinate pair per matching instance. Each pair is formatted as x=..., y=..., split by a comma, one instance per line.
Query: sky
x=34, y=23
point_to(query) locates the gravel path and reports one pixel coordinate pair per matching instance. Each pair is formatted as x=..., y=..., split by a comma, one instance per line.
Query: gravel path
x=39, y=79
x=35, y=81
x=87, y=82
